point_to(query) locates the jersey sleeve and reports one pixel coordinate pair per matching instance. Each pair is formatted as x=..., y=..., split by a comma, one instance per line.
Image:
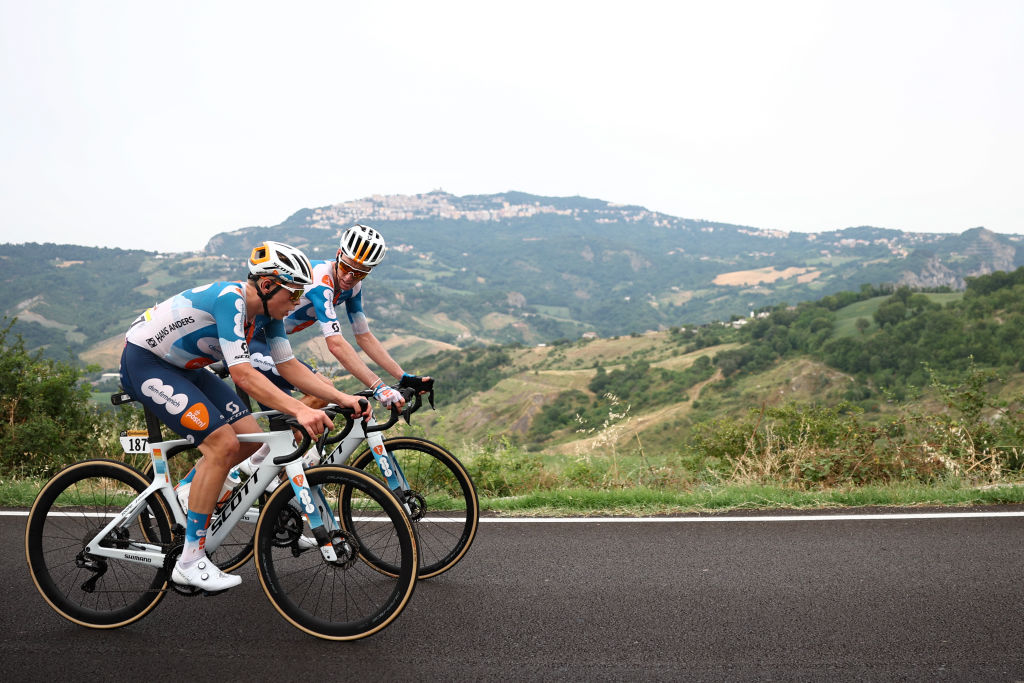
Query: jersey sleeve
x=322, y=299
x=277, y=340
x=354, y=308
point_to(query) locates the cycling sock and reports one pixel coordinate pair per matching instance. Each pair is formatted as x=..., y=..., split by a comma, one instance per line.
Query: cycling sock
x=195, y=539
x=187, y=479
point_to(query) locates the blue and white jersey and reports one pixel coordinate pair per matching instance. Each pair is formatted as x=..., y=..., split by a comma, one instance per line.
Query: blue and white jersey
x=318, y=302
x=204, y=325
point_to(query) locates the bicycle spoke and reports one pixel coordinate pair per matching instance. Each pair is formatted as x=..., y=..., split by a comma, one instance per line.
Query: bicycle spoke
x=348, y=598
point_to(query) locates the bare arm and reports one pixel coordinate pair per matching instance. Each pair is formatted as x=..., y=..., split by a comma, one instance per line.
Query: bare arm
x=306, y=381
x=350, y=360
x=258, y=387
x=376, y=351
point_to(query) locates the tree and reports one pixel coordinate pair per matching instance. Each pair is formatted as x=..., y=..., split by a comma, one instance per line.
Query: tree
x=890, y=313
x=46, y=419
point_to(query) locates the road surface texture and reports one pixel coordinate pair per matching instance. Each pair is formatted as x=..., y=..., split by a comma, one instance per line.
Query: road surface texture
x=790, y=599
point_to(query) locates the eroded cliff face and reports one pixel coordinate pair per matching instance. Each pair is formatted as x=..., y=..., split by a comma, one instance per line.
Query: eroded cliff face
x=985, y=247
x=934, y=274
x=1000, y=256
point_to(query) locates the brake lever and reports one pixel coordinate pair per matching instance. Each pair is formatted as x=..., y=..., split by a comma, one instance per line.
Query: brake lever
x=409, y=408
x=321, y=442
x=364, y=407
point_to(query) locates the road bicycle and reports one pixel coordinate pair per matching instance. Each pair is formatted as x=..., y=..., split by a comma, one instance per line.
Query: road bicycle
x=436, y=490
x=102, y=539
x=433, y=487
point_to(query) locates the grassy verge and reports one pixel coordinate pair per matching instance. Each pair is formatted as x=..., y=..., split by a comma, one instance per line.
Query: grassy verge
x=19, y=493
x=648, y=502
x=641, y=501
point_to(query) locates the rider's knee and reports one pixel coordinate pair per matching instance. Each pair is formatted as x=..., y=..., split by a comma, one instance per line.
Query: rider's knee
x=222, y=446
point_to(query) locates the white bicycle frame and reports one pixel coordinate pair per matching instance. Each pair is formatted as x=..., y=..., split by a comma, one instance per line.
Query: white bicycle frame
x=230, y=514
x=388, y=466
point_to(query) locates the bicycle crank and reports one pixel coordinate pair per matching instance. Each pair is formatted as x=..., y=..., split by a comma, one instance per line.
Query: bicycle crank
x=288, y=529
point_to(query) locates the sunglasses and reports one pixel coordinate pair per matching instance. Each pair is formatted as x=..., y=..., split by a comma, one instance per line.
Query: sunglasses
x=354, y=272
x=293, y=294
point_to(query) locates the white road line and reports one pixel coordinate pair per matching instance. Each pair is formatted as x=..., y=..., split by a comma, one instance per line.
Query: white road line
x=839, y=517
x=776, y=518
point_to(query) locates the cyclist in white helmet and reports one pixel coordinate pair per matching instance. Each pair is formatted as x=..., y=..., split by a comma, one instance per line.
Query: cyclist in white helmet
x=340, y=280
x=162, y=367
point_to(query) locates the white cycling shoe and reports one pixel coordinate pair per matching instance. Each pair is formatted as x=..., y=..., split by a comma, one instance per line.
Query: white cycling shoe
x=204, y=574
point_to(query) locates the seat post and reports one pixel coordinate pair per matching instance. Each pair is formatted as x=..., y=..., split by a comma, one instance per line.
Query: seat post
x=153, y=425
x=152, y=422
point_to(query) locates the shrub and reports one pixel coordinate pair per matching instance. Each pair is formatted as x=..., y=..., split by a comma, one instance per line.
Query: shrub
x=47, y=419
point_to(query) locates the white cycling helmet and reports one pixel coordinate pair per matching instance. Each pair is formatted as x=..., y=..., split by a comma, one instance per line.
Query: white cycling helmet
x=281, y=262
x=363, y=245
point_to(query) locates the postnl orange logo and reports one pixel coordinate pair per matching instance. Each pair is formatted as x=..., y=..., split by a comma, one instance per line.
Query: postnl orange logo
x=298, y=480
x=327, y=281
x=379, y=450
x=196, y=417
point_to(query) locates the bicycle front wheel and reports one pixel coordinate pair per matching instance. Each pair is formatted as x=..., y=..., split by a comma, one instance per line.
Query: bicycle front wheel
x=445, y=510
x=67, y=514
x=348, y=598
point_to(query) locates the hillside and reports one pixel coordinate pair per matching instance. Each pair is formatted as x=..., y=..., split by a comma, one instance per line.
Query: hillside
x=876, y=368
x=886, y=356
x=501, y=269
x=539, y=378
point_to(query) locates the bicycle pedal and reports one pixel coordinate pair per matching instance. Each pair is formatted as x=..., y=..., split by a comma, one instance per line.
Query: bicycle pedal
x=185, y=591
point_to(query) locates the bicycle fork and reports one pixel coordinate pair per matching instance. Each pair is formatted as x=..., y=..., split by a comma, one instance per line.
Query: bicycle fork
x=388, y=466
x=321, y=524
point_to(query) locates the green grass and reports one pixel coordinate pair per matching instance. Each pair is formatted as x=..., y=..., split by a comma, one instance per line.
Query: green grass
x=846, y=317
x=19, y=493
x=945, y=298
x=643, y=502
x=640, y=501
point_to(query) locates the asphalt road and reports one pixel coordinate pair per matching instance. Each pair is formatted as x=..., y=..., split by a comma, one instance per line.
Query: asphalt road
x=877, y=600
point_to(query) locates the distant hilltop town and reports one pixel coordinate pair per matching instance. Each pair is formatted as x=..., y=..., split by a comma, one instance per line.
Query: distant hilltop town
x=439, y=204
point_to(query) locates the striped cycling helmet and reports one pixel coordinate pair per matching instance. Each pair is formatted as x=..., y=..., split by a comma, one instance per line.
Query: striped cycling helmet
x=363, y=245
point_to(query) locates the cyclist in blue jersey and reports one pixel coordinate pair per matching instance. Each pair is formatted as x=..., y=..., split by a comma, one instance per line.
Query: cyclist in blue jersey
x=336, y=281
x=162, y=366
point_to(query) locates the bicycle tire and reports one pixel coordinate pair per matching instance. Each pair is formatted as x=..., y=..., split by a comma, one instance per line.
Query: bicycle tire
x=67, y=513
x=237, y=548
x=349, y=599
x=447, y=524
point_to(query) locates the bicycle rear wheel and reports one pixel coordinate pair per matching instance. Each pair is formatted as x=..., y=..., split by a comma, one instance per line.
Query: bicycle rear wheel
x=445, y=510
x=236, y=549
x=67, y=514
x=346, y=599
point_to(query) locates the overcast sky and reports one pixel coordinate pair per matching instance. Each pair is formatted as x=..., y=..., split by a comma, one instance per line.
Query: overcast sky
x=157, y=125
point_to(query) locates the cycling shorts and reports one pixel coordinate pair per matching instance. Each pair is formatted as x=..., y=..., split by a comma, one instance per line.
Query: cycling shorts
x=192, y=403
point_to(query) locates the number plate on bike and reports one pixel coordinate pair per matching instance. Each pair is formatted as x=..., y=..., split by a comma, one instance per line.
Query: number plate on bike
x=135, y=441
